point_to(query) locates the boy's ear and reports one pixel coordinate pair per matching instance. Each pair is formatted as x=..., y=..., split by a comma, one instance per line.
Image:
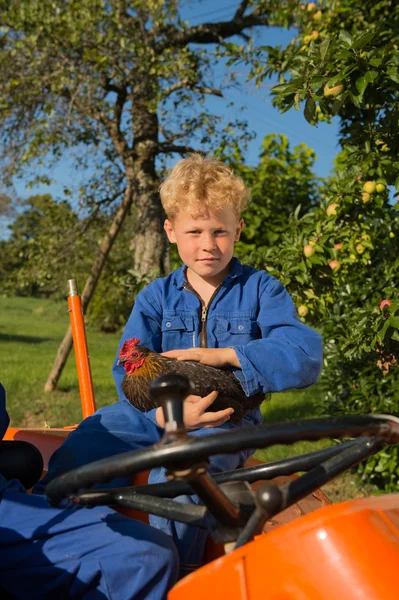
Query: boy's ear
x=239, y=229
x=169, y=231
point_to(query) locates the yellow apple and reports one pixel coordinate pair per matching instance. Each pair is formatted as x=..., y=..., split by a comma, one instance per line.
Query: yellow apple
x=334, y=265
x=360, y=248
x=317, y=15
x=380, y=187
x=391, y=234
x=303, y=310
x=332, y=209
x=369, y=187
x=311, y=6
x=308, y=250
x=334, y=91
x=366, y=197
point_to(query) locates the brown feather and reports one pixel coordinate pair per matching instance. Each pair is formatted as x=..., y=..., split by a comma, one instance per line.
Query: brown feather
x=203, y=380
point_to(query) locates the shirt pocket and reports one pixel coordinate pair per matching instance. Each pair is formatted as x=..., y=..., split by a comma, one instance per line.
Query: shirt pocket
x=178, y=332
x=237, y=331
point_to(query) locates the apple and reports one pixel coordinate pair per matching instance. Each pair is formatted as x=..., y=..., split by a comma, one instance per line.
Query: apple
x=380, y=187
x=360, y=248
x=315, y=35
x=338, y=246
x=307, y=39
x=369, y=187
x=334, y=265
x=332, y=209
x=303, y=310
x=311, y=6
x=334, y=91
x=317, y=15
x=384, y=148
x=308, y=250
x=366, y=237
x=391, y=234
x=352, y=257
x=385, y=304
x=366, y=197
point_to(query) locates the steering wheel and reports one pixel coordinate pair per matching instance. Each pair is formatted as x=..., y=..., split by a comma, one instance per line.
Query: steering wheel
x=186, y=457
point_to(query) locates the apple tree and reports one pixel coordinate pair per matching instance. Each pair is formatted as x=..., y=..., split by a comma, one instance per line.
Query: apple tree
x=340, y=259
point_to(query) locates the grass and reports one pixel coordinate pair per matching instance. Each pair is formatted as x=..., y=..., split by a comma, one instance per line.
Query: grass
x=30, y=333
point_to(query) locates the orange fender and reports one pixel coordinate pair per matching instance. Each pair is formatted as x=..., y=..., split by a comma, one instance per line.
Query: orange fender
x=347, y=551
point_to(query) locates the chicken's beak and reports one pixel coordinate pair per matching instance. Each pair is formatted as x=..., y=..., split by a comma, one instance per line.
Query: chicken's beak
x=121, y=361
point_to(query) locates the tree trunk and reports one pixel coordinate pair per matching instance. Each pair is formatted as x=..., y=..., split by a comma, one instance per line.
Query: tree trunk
x=90, y=286
x=149, y=245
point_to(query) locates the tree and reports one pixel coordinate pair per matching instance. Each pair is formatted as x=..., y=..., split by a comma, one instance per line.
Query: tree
x=121, y=83
x=344, y=62
x=49, y=243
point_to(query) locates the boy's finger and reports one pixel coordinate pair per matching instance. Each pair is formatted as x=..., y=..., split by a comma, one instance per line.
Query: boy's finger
x=208, y=400
x=212, y=419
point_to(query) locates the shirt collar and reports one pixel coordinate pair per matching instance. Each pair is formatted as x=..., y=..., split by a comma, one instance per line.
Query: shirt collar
x=180, y=279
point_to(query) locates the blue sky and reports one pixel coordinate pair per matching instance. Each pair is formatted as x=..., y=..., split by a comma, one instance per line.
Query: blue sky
x=262, y=117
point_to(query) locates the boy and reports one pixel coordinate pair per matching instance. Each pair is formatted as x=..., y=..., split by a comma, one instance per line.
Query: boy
x=214, y=310
x=48, y=552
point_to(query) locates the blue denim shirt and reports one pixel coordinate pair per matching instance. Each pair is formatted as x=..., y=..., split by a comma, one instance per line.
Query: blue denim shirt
x=251, y=312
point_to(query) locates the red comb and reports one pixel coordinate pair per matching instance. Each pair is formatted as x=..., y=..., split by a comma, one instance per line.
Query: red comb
x=127, y=346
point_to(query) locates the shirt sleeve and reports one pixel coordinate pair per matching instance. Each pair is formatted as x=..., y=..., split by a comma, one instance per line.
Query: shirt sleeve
x=144, y=323
x=4, y=420
x=289, y=353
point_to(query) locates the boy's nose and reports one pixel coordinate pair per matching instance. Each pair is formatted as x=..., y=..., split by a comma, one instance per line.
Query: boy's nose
x=209, y=243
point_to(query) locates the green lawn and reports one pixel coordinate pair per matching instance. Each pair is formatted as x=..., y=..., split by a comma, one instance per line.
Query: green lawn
x=30, y=332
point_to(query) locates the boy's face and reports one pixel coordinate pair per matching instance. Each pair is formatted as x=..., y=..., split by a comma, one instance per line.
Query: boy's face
x=205, y=242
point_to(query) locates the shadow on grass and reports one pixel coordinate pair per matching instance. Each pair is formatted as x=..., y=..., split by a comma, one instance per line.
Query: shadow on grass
x=23, y=339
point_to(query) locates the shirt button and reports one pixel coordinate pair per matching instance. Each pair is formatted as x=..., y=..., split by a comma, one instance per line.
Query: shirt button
x=240, y=327
x=168, y=324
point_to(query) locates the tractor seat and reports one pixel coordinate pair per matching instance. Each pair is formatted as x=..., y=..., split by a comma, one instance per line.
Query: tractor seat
x=20, y=460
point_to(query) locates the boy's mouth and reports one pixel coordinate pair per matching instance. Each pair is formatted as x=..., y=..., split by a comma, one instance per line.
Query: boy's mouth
x=208, y=259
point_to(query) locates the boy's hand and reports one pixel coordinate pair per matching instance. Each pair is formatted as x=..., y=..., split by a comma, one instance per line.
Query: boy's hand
x=194, y=413
x=215, y=357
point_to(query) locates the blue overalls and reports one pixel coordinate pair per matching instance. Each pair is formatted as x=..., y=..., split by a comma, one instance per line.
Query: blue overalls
x=48, y=553
x=252, y=312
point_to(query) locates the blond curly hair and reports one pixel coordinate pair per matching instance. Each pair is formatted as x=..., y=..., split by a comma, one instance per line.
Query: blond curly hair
x=202, y=184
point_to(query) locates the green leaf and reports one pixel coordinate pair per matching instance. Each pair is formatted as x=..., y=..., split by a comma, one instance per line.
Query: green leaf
x=324, y=48
x=310, y=111
x=363, y=40
x=361, y=84
x=370, y=76
x=345, y=37
x=375, y=62
x=393, y=74
x=397, y=184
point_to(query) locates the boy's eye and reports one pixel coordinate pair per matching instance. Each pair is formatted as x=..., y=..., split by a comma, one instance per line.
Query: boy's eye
x=195, y=232
x=220, y=232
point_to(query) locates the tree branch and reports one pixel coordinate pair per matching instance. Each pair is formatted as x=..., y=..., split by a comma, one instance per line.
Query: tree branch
x=211, y=33
x=185, y=84
x=164, y=148
x=241, y=9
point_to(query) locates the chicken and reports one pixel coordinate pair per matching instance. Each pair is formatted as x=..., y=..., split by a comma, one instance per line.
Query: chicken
x=142, y=366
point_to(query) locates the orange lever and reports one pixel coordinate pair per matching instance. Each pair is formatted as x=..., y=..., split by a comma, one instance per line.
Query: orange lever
x=81, y=350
